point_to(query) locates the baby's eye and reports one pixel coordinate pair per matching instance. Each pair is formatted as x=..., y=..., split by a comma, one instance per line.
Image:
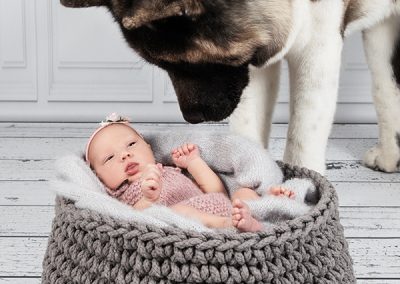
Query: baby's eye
x=108, y=158
x=132, y=143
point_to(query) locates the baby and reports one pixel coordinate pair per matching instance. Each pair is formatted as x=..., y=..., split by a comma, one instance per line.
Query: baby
x=125, y=163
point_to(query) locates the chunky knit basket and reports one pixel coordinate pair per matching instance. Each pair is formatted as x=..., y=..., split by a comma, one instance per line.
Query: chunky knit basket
x=86, y=247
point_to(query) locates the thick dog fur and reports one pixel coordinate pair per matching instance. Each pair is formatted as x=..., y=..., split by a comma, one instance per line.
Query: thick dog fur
x=223, y=57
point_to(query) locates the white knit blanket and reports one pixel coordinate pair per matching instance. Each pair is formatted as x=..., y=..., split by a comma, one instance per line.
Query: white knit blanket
x=239, y=163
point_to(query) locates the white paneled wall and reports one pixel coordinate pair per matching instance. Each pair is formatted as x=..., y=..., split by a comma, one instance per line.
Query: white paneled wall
x=60, y=64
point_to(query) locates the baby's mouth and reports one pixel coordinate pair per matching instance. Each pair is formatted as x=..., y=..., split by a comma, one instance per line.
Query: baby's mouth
x=132, y=169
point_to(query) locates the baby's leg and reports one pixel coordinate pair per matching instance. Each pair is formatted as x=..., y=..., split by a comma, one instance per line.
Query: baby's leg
x=281, y=191
x=242, y=219
x=208, y=220
x=244, y=194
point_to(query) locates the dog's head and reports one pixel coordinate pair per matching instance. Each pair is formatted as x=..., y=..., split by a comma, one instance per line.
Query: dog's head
x=204, y=45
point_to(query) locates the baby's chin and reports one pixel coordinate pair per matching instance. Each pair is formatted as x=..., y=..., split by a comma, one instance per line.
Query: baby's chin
x=127, y=180
x=135, y=177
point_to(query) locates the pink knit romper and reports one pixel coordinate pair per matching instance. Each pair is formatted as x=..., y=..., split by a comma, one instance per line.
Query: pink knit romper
x=177, y=189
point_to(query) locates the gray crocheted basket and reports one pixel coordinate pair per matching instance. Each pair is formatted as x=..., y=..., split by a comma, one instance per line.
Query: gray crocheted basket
x=86, y=247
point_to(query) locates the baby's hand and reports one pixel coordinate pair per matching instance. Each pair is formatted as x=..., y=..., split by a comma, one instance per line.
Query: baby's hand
x=185, y=154
x=151, y=184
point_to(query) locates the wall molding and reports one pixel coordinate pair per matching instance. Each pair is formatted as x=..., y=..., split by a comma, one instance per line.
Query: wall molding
x=65, y=76
x=18, y=72
x=22, y=62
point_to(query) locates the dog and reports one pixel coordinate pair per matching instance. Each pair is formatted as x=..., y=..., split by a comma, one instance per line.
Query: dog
x=224, y=58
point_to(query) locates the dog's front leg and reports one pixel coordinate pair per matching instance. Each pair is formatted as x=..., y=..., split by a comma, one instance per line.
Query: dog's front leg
x=252, y=118
x=382, y=48
x=314, y=78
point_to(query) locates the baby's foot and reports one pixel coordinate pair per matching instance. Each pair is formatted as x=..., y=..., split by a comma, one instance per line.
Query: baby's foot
x=281, y=191
x=242, y=219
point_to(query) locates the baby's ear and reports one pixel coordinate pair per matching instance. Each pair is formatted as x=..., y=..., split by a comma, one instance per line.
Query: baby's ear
x=82, y=3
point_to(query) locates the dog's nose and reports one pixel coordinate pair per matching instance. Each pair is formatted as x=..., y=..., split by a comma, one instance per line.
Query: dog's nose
x=194, y=116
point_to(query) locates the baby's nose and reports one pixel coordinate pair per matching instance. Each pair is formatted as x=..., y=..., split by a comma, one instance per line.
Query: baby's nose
x=125, y=154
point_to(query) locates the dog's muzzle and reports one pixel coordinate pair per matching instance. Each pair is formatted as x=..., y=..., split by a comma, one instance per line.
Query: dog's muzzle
x=208, y=92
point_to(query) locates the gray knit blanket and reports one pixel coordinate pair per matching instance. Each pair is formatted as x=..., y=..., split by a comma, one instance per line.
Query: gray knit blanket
x=238, y=161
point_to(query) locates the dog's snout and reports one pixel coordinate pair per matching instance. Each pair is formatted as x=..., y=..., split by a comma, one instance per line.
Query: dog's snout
x=194, y=116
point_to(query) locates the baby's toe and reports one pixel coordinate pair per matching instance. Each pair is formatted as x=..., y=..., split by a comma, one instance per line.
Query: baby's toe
x=238, y=203
x=236, y=217
x=242, y=224
x=275, y=190
x=235, y=210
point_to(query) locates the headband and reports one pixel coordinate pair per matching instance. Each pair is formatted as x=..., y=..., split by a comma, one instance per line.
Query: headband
x=113, y=118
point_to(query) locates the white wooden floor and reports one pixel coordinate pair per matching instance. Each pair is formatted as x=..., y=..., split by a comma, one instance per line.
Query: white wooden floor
x=370, y=201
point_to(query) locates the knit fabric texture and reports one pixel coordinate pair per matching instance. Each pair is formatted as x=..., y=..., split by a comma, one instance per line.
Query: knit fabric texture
x=88, y=247
x=176, y=188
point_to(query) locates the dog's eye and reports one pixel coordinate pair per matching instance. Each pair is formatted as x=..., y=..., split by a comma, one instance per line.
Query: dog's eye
x=150, y=26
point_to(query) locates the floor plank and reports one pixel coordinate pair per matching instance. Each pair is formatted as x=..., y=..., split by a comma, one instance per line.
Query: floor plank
x=368, y=193
x=374, y=258
x=22, y=256
x=26, y=221
x=371, y=222
x=45, y=148
x=13, y=280
x=361, y=131
x=23, y=193
x=378, y=281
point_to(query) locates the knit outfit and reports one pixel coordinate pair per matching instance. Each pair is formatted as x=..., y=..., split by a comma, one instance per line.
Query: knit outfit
x=176, y=188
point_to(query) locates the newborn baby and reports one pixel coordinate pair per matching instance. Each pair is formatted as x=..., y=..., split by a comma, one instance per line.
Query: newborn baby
x=125, y=164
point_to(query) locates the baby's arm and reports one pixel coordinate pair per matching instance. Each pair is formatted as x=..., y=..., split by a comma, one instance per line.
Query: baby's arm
x=143, y=203
x=188, y=157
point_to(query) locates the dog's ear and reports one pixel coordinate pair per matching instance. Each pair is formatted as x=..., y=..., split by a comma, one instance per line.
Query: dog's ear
x=145, y=12
x=82, y=3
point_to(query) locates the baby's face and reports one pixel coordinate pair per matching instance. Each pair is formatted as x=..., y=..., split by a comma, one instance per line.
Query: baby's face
x=117, y=153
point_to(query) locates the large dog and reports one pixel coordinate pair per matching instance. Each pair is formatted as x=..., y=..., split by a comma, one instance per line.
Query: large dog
x=224, y=55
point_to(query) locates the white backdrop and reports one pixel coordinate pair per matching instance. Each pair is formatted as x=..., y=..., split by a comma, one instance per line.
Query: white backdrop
x=60, y=64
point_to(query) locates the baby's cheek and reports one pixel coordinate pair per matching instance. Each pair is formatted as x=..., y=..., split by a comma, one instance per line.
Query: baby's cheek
x=107, y=179
x=135, y=177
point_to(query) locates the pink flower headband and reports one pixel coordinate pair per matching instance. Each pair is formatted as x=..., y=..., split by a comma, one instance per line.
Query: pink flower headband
x=113, y=118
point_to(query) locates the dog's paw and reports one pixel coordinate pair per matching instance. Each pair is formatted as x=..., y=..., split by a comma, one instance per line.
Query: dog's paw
x=385, y=160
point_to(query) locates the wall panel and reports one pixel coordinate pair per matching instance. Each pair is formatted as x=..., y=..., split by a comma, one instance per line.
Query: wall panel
x=18, y=74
